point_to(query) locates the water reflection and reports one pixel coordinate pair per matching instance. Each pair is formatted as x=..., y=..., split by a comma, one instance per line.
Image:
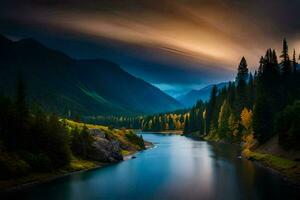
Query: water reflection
x=179, y=168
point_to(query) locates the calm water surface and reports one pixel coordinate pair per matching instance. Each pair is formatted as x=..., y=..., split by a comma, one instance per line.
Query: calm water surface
x=177, y=168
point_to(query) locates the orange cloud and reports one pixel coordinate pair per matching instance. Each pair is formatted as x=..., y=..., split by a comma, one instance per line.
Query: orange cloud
x=216, y=33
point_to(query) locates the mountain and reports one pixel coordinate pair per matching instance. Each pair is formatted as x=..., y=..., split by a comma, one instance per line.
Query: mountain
x=62, y=84
x=189, y=99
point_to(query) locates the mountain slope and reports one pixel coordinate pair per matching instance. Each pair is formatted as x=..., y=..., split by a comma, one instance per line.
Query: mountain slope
x=190, y=98
x=86, y=87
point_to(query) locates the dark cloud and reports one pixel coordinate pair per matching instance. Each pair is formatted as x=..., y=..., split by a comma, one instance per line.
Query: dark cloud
x=170, y=42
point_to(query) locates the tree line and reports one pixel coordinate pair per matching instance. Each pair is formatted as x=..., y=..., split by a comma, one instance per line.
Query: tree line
x=158, y=122
x=254, y=106
x=32, y=140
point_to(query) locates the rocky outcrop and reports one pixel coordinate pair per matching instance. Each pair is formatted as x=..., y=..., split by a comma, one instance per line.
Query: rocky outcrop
x=105, y=150
x=97, y=132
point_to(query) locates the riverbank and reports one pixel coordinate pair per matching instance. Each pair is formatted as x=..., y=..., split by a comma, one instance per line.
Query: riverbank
x=172, y=132
x=244, y=179
x=167, y=132
x=109, y=146
x=288, y=168
x=76, y=165
x=272, y=156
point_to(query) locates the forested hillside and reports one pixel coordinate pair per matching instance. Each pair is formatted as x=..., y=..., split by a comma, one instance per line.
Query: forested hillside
x=255, y=106
x=158, y=122
x=252, y=109
x=35, y=144
x=72, y=87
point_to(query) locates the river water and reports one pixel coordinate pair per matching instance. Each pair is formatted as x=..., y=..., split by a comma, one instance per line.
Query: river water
x=176, y=168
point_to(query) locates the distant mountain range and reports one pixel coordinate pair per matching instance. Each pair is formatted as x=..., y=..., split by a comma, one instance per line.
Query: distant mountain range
x=190, y=98
x=62, y=84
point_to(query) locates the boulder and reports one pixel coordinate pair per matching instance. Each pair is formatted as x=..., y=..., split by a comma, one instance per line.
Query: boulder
x=97, y=133
x=106, y=150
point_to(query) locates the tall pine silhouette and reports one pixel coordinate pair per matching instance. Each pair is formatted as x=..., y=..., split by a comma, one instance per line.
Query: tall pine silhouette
x=241, y=82
x=285, y=63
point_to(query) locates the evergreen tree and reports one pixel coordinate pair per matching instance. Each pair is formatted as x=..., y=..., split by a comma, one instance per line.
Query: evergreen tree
x=242, y=74
x=7, y=123
x=22, y=115
x=211, y=112
x=223, y=126
x=288, y=127
x=241, y=81
x=251, y=91
x=231, y=96
x=233, y=127
x=262, y=121
x=57, y=148
x=285, y=63
x=294, y=62
x=186, y=128
x=267, y=103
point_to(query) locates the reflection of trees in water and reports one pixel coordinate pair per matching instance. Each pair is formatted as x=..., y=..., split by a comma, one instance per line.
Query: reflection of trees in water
x=245, y=178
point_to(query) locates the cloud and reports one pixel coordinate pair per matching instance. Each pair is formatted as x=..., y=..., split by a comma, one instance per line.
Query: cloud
x=200, y=37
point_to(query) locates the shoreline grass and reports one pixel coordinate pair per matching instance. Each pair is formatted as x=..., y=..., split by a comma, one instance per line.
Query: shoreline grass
x=76, y=165
x=286, y=167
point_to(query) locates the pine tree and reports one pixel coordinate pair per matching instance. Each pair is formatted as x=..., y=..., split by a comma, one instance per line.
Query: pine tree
x=233, y=127
x=241, y=81
x=22, y=115
x=262, y=120
x=268, y=93
x=251, y=91
x=223, y=127
x=294, y=62
x=211, y=112
x=186, y=128
x=57, y=147
x=285, y=63
x=242, y=74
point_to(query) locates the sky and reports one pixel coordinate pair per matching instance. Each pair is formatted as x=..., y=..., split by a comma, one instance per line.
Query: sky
x=176, y=45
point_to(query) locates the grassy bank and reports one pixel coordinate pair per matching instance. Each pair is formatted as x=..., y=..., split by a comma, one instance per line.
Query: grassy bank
x=35, y=178
x=172, y=132
x=129, y=143
x=167, y=132
x=126, y=137
x=288, y=168
x=267, y=155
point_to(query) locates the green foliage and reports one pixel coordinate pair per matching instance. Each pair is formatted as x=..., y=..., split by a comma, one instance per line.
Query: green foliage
x=11, y=165
x=81, y=142
x=228, y=114
x=242, y=74
x=223, y=126
x=30, y=140
x=287, y=126
x=135, y=139
x=287, y=167
x=57, y=143
x=262, y=121
x=285, y=63
x=163, y=122
x=212, y=110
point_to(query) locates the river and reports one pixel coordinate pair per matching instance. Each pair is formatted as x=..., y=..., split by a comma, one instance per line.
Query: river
x=176, y=168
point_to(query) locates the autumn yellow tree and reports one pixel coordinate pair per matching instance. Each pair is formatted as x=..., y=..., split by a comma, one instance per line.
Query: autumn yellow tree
x=246, y=120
